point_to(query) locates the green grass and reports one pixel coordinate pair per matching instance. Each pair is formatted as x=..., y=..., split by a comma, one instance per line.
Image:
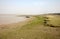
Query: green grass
x=32, y=30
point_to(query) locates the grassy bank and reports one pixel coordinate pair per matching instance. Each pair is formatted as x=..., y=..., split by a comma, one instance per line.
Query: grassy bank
x=34, y=29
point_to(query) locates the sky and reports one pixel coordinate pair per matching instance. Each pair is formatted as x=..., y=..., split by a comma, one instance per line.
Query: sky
x=29, y=6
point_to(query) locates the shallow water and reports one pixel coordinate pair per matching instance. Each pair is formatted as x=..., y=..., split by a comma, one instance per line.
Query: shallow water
x=7, y=19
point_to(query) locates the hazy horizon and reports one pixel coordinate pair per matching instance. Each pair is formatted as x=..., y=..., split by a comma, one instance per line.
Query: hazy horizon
x=25, y=7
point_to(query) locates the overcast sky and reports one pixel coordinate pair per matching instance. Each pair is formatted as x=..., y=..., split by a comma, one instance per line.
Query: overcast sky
x=29, y=6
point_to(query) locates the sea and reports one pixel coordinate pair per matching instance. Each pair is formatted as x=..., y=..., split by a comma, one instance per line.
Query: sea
x=9, y=18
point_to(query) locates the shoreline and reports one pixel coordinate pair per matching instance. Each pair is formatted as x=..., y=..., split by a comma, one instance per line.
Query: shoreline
x=18, y=24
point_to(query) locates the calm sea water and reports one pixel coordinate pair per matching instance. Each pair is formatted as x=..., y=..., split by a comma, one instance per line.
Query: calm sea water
x=7, y=19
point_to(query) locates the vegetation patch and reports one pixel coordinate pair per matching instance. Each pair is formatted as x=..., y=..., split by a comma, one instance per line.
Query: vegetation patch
x=34, y=29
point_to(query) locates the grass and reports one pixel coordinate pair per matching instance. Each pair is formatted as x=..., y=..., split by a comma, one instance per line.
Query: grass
x=34, y=29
